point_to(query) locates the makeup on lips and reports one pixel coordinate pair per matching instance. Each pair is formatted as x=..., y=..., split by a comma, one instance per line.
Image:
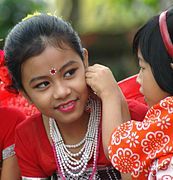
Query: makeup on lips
x=67, y=107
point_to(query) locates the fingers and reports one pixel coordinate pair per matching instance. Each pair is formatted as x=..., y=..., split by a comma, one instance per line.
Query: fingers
x=90, y=82
x=97, y=70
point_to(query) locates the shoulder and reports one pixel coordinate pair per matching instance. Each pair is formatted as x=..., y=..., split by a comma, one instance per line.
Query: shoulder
x=10, y=118
x=165, y=104
x=30, y=122
x=30, y=128
x=10, y=112
x=163, y=108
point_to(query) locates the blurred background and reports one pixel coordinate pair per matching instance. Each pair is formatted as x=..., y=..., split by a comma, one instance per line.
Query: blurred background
x=105, y=27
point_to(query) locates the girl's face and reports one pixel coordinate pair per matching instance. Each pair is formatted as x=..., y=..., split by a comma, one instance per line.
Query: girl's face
x=149, y=87
x=61, y=95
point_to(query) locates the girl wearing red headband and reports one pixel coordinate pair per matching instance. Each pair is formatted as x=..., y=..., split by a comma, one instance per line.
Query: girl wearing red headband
x=145, y=149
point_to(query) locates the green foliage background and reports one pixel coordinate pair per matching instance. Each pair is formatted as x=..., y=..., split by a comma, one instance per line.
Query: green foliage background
x=105, y=27
x=12, y=11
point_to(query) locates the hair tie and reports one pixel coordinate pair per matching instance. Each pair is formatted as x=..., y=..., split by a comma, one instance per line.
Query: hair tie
x=36, y=14
x=165, y=34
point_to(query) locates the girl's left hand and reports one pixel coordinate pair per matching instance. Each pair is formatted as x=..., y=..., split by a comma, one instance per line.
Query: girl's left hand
x=101, y=80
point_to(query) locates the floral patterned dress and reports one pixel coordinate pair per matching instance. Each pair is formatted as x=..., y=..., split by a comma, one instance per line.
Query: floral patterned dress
x=145, y=149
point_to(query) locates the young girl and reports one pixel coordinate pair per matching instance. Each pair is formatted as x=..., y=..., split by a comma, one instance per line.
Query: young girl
x=145, y=148
x=48, y=65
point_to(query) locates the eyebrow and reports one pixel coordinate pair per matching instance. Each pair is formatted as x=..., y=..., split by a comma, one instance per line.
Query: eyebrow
x=63, y=67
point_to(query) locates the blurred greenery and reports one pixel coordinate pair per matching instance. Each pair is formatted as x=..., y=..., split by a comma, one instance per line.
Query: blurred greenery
x=12, y=11
x=109, y=16
x=105, y=27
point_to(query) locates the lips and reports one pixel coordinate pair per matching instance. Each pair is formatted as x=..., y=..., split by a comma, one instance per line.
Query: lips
x=67, y=107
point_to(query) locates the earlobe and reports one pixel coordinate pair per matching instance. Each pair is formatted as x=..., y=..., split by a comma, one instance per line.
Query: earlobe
x=171, y=65
x=85, y=54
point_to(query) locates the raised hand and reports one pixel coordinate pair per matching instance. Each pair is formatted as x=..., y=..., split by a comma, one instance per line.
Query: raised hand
x=101, y=80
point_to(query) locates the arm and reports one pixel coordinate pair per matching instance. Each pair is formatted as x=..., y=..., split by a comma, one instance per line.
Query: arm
x=115, y=109
x=126, y=176
x=10, y=169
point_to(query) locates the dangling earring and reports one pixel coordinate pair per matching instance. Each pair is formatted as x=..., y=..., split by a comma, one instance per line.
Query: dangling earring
x=88, y=105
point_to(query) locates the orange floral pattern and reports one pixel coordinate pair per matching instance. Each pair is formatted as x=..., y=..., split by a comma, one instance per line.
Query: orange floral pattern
x=135, y=146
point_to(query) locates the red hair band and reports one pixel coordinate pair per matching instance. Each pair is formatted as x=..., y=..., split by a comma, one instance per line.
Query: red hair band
x=165, y=34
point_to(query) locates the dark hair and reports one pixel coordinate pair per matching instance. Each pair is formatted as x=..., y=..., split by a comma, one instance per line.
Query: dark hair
x=30, y=37
x=148, y=39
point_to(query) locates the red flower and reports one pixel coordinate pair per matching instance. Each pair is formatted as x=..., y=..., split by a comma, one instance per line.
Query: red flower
x=11, y=98
x=5, y=77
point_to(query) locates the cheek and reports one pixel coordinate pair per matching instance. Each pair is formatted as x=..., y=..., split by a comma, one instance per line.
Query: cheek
x=81, y=81
x=39, y=99
x=82, y=87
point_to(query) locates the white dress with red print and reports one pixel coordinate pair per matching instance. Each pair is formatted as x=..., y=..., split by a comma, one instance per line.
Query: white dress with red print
x=145, y=149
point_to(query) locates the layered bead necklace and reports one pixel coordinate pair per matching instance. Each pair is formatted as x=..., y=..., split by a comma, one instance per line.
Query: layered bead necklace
x=75, y=164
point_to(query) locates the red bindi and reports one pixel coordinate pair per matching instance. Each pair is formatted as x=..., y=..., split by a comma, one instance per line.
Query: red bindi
x=53, y=71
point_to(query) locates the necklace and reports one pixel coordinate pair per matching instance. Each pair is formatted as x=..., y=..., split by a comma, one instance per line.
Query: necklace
x=74, y=164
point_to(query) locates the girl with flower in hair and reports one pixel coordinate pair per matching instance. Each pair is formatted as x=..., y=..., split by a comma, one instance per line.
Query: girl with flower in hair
x=145, y=149
x=50, y=67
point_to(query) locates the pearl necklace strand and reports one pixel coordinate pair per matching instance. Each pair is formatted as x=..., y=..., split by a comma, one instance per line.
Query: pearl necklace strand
x=68, y=164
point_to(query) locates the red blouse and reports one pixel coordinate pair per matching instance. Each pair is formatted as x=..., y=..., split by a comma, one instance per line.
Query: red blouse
x=9, y=119
x=34, y=151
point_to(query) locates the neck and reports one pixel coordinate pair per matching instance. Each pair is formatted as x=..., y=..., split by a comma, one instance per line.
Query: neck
x=74, y=132
x=71, y=133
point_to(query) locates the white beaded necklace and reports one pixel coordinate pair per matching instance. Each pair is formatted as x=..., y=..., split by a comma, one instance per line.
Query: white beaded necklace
x=67, y=161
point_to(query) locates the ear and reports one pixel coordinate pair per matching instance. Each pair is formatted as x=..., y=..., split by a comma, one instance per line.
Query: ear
x=85, y=54
x=171, y=65
x=24, y=94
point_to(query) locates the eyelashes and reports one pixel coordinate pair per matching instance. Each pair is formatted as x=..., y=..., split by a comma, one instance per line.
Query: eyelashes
x=66, y=76
x=41, y=85
x=70, y=73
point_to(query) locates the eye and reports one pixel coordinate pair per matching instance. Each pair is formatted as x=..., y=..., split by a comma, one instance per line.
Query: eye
x=70, y=73
x=42, y=85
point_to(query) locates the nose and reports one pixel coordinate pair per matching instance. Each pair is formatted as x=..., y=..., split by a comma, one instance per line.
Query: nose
x=138, y=78
x=61, y=91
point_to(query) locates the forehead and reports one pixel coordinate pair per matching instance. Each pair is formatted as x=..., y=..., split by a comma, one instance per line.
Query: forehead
x=50, y=57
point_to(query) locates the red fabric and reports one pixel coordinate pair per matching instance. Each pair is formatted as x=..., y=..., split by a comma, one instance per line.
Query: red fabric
x=35, y=154
x=135, y=99
x=13, y=100
x=9, y=119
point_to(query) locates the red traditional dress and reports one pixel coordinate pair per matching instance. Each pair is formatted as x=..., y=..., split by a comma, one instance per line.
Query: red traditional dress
x=145, y=149
x=35, y=153
x=9, y=119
